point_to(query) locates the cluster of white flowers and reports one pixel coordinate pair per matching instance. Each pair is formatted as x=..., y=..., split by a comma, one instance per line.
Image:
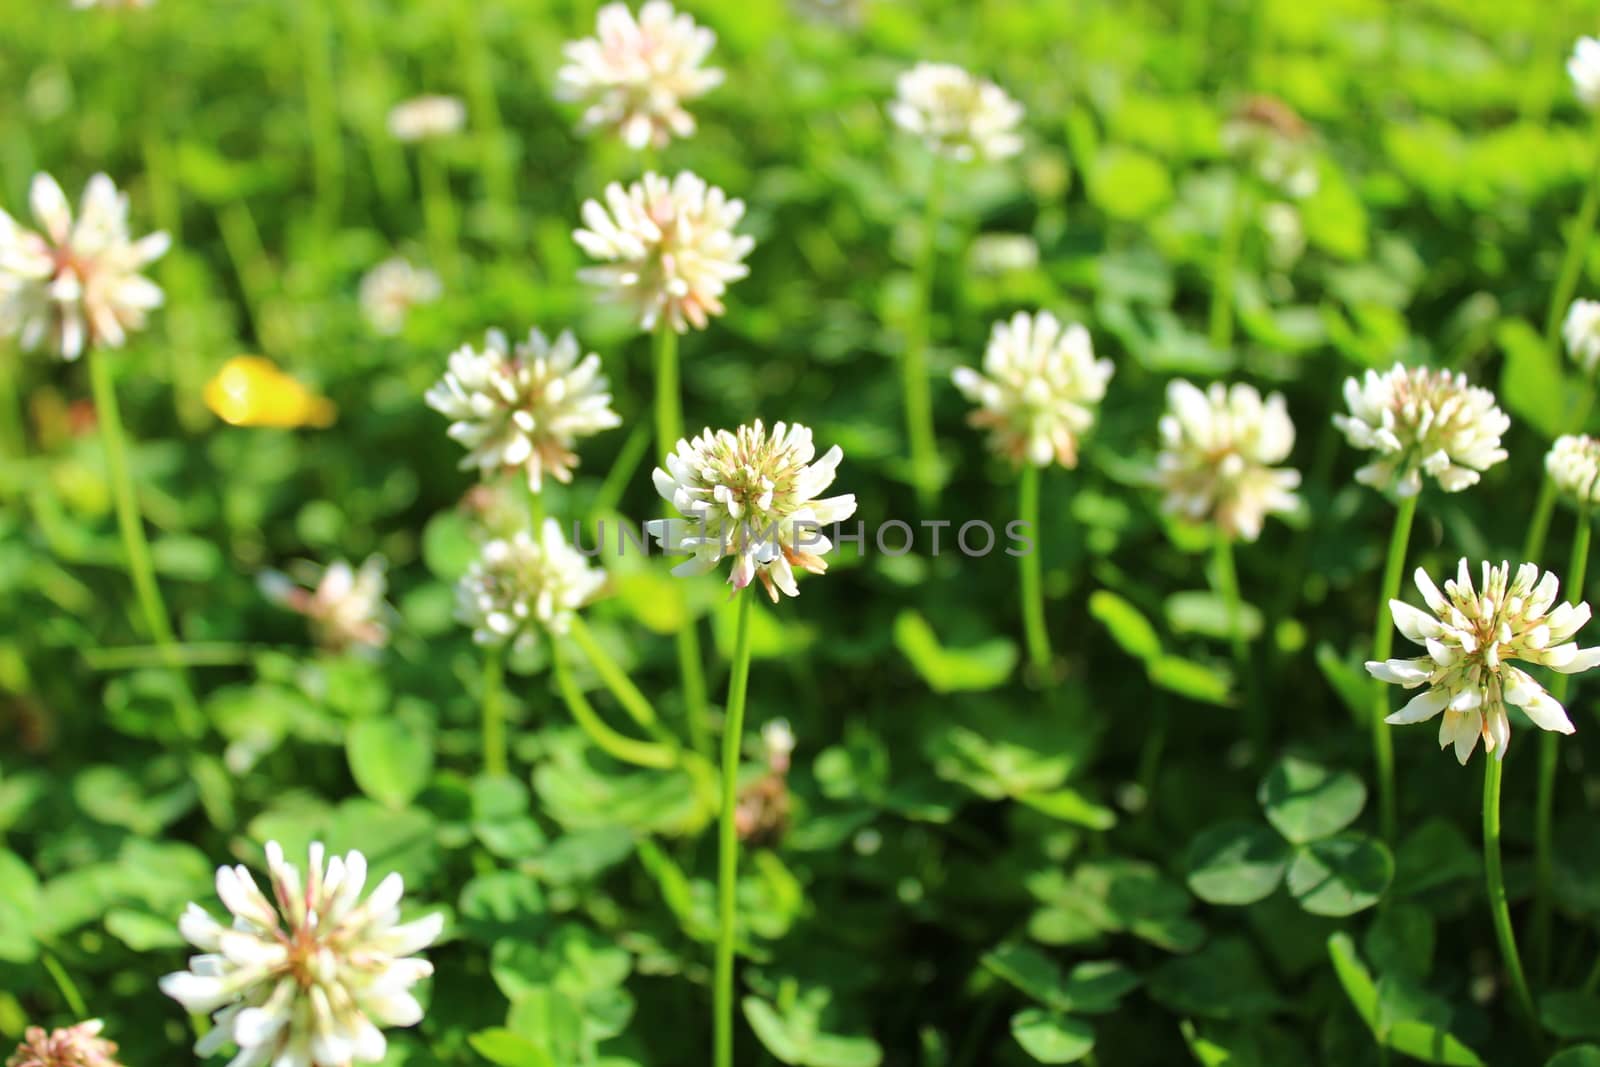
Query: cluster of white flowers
x=1219, y=450
x=391, y=289
x=957, y=115
x=1581, y=331
x=523, y=408
x=423, y=118
x=751, y=495
x=77, y=284
x=1573, y=464
x=1471, y=638
x=520, y=584
x=69, y=1046
x=345, y=606
x=1038, y=390
x=669, y=248
x=307, y=982
x=1584, y=69
x=634, y=76
x=1422, y=421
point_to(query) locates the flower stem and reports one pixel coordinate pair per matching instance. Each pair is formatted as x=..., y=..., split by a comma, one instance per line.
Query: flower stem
x=728, y=838
x=69, y=988
x=1544, y=805
x=1498, y=907
x=1539, y=523
x=1572, y=263
x=620, y=748
x=1227, y=265
x=1227, y=576
x=669, y=428
x=136, y=549
x=635, y=703
x=13, y=419
x=1382, y=644
x=1033, y=620
x=495, y=762
x=918, y=393
x=438, y=210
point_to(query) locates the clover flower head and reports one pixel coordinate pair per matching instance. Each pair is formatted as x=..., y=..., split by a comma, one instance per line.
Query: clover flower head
x=957, y=115
x=635, y=75
x=1584, y=69
x=1472, y=635
x=77, y=283
x=1422, y=421
x=305, y=976
x=1218, y=453
x=69, y=1046
x=751, y=495
x=667, y=247
x=1276, y=142
x=996, y=254
x=424, y=118
x=522, y=584
x=391, y=289
x=1581, y=331
x=345, y=605
x=1038, y=390
x=1573, y=466
x=777, y=741
x=524, y=408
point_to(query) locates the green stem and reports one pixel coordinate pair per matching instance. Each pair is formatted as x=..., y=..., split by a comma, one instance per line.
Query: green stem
x=621, y=473
x=1539, y=524
x=1544, y=804
x=438, y=210
x=1227, y=265
x=1033, y=618
x=1591, y=983
x=669, y=429
x=620, y=748
x=326, y=154
x=69, y=988
x=1498, y=907
x=498, y=169
x=1227, y=576
x=136, y=549
x=635, y=703
x=13, y=418
x=728, y=838
x=1572, y=263
x=918, y=391
x=495, y=762
x=1382, y=644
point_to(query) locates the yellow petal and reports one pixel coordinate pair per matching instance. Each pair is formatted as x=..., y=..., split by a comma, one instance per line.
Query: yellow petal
x=253, y=391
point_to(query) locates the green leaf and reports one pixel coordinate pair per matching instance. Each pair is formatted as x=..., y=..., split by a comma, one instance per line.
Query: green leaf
x=19, y=907
x=1340, y=875
x=389, y=759
x=1197, y=681
x=501, y=1046
x=1190, y=985
x=1352, y=684
x=501, y=904
x=795, y=1036
x=1126, y=624
x=952, y=670
x=1414, y=1038
x=1071, y=806
x=1051, y=1037
x=1207, y=614
x=1093, y=987
x=1570, y=1014
x=448, y=547
x=1533, y=385
x=1307, y=801
x=1581, y=1056
x=1236, y=863
x=1128, y=184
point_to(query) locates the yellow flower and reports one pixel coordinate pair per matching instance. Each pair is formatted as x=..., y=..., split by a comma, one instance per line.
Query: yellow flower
x=252, y=391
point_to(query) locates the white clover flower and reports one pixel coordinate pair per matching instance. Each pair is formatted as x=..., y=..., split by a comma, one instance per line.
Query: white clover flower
x=1584, y=69
x=669, y=248
x=69, y=1046
x=77, y=284
x=1472, y=637
x=1003, y=253
x=634, y=76
x=1422, y=421
x=957, y=115
x=1218, y=450
x=519, y=585
x=751, y=496
x=1038, y=390
x=524, y=408
x=391, y=289
x=1581, y=331
x=345, y=606
x=1573, y=464
x=777, y=741
x=307, y=981
x=425, y=117
x=1277, y=144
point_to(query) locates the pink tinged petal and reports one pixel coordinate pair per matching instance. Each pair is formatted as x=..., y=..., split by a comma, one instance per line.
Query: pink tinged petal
x=50, y=208
x=1420, y=708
